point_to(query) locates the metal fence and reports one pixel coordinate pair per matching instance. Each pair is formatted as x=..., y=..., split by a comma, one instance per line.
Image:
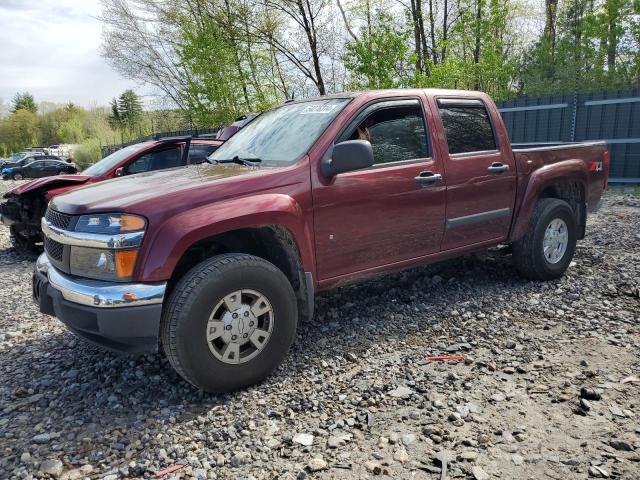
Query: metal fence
x=202, y=132
x=613, y=116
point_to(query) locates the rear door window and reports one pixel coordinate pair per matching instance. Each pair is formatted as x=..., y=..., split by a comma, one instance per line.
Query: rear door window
x=467, y=126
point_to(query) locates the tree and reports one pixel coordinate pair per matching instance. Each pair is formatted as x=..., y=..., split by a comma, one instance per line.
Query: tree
x=214, y=59
x=298, y=37
x=130, y=110
x=595, y=48
x=21, y=130
x=24, y=101
x=141, y=39
x=379, y=58
x=126, y=114
x=230, y=69
x=71, y=131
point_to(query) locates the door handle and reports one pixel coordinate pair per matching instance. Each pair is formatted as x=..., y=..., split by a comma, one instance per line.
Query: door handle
x=497, y=168
x=427, y=178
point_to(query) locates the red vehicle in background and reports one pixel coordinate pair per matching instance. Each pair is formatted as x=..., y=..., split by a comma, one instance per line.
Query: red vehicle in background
x=25, y=205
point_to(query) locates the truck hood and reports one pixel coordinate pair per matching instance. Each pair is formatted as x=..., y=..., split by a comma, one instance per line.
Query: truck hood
x=152, y=190
x=49, y=183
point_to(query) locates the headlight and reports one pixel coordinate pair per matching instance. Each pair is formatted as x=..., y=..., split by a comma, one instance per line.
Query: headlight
x=110, y=223
x=103, y=264
x=106, y=263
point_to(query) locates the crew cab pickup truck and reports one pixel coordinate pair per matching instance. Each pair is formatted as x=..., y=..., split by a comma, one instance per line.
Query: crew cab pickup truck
x=25, y=205
x=218, y=262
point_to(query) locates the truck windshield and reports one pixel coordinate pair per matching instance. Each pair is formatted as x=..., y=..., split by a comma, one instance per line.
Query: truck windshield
x=110, y=161
x=279, y=137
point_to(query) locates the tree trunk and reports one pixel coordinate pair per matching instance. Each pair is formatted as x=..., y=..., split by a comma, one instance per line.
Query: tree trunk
x=612, y=37
x=551, y=10
x=432, y=26
x=423, y=37
x=416, y=35
x=476, y=50
x=234, y=41
x=346, y=22
x=445, y=31
x=309, y=29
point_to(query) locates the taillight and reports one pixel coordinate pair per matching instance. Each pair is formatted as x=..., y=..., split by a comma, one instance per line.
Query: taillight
x=605, y=168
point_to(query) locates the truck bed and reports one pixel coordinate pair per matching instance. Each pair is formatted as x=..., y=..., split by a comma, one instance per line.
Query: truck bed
x=592, y=155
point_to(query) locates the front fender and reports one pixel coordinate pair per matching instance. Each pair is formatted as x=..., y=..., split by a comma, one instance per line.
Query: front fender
x=565, y=171
x=166, y=245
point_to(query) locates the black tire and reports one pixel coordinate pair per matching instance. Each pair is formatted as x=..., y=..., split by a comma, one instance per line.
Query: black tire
x=528, y=253
x=23, y=244
x=187, y=311
x=17, y=176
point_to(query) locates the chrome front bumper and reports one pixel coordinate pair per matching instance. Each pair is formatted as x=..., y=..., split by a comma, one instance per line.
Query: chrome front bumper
x=95, y=293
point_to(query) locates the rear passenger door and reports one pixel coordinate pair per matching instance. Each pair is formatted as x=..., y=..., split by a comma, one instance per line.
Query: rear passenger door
x=50, y=168
x=480, y=174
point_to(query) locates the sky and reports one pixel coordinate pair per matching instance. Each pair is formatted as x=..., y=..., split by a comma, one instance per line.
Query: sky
x=51, y=48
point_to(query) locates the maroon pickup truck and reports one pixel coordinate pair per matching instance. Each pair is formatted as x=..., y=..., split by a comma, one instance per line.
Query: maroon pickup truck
x=218, y=262
x=25, y=205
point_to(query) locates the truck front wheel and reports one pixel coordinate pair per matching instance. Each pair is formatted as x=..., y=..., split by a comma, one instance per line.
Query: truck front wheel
x=545, y=251
x=229, y=322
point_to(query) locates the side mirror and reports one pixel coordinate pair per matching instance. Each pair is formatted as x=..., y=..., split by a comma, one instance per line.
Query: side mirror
x=348, y=156
x=119, y=172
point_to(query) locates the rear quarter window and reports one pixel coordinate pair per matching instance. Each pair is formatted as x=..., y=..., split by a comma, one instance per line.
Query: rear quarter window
x=467, y=127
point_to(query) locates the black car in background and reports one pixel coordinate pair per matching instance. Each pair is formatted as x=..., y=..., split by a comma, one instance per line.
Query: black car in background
x=39, y=166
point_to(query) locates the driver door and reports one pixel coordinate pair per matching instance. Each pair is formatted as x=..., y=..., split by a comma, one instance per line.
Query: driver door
x=384, y=214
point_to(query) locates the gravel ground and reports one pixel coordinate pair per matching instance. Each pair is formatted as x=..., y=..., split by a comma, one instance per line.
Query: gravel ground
x=356, y=397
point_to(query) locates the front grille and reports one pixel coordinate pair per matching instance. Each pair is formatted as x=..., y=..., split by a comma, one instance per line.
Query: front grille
x=57, y=219
x=54, y=249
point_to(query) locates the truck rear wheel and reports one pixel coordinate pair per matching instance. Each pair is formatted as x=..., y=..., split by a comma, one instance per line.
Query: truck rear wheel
x=229, y=322
x=545, y=251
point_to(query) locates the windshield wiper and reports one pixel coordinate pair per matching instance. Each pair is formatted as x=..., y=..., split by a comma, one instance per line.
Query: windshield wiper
x=249, y=162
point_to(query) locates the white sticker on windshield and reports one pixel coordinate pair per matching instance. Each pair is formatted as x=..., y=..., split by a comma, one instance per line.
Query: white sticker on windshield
x=322, y=108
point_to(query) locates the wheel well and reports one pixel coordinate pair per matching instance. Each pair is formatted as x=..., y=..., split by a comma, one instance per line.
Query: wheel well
x=272, y=243
x=573, y=194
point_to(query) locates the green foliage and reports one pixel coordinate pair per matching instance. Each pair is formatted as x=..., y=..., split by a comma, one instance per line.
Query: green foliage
x=379, y=59
x=87, y=153
x=71, y=130
x=230, y=74
x=126, y=114
x=24, y=101
x=597, y=48
x=19, y=130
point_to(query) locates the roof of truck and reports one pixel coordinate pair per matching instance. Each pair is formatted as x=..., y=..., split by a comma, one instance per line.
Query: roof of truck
x=393, y=92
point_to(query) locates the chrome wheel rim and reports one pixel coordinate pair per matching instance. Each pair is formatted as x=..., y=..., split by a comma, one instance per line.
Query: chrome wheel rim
x=556, y=239
x=17, y=176
x=240, y=326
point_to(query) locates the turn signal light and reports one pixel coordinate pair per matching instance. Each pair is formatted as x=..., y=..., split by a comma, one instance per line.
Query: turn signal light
x=131, y=223
x=125, y=263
